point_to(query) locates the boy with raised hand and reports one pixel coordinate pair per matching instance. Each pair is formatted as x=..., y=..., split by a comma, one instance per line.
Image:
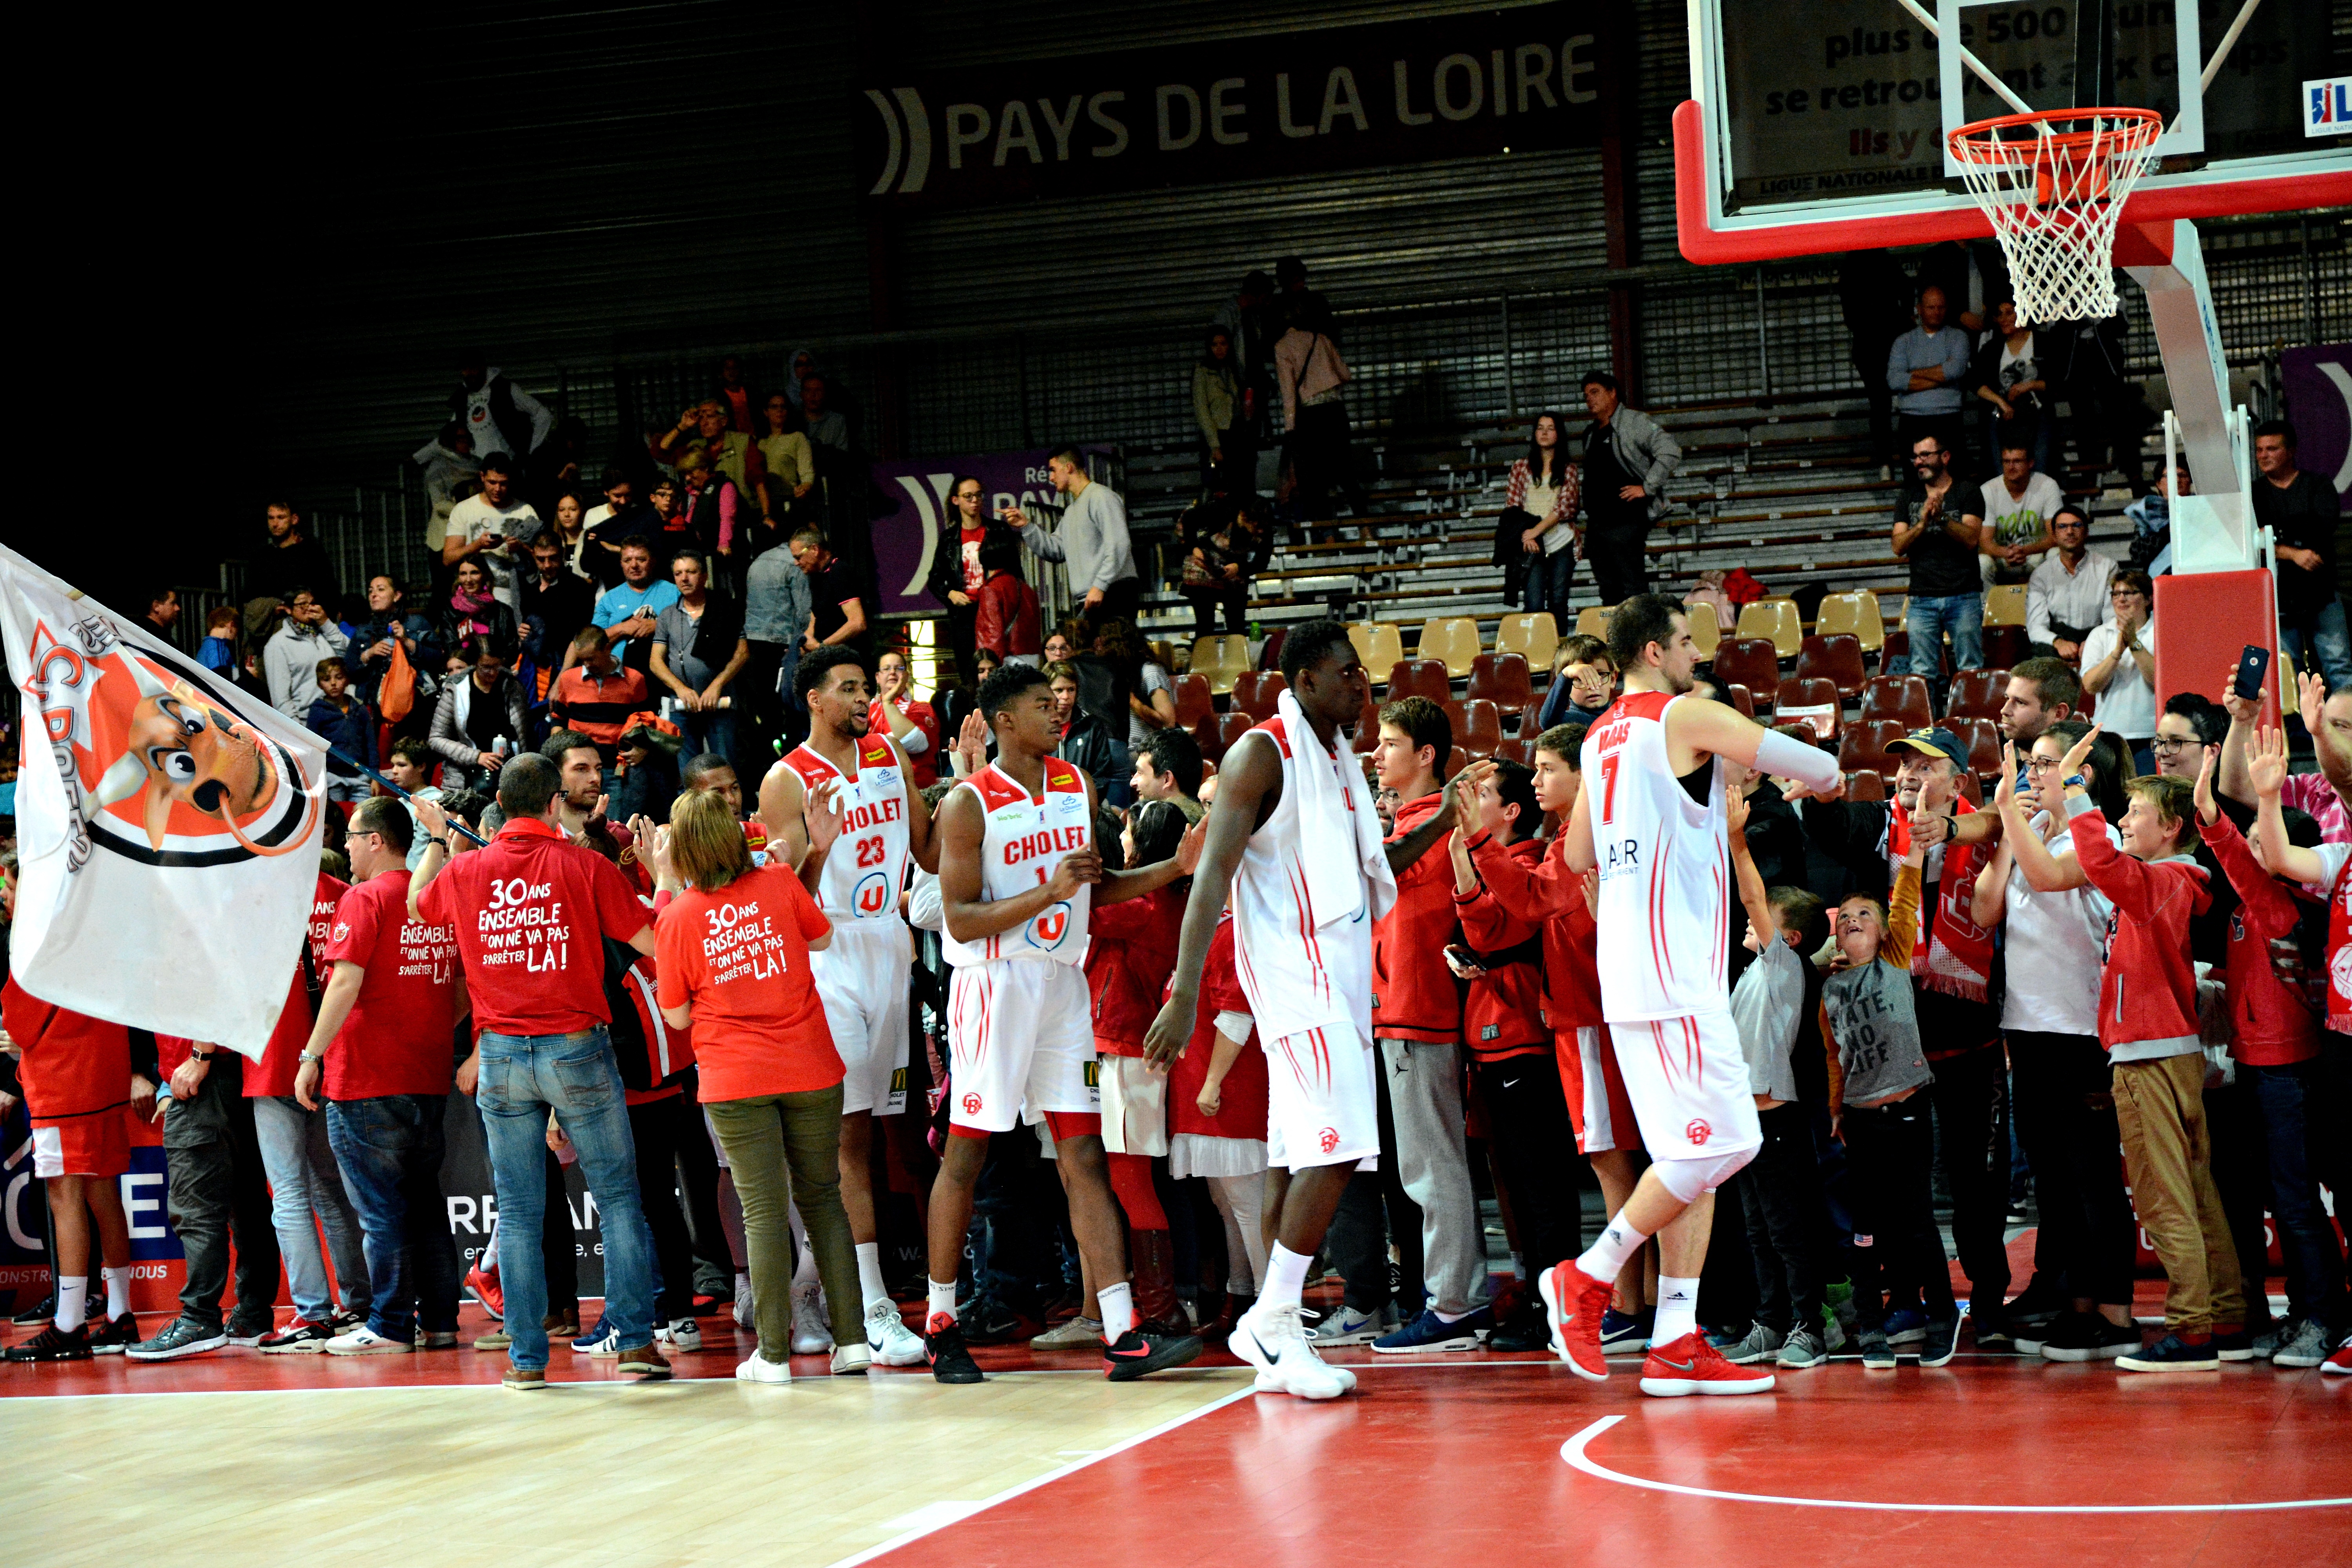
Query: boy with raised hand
x=1780, y=1190
x=1878, y=1068
x=2147, y=1021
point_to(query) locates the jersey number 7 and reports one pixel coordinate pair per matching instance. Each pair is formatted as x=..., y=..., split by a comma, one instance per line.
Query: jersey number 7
x=1608, y=787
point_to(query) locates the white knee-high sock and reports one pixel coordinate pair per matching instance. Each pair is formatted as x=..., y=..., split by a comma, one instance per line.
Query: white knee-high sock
x=1285, y=1276
x=869, y=1272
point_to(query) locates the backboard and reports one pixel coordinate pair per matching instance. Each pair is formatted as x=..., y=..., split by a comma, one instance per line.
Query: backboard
x=1822, y=125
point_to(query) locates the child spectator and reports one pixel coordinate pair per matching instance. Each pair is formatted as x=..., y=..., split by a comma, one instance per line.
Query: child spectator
x=1877, y=1067
x=1216, y=1121
x=1005, y=622
x=410, y=765
x=2275, y=1036
x=217, y=652
x=1584, y=683
x=1781, y=1189
x=347, y=725
x=2147, y=1021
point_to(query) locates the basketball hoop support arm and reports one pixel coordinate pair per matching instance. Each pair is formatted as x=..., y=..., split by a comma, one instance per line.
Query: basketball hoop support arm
x=2212, y=531
x=1984, y=73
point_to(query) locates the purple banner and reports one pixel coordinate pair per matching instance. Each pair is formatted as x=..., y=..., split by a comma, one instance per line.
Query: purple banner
x=916, y=519
x=2319, y=401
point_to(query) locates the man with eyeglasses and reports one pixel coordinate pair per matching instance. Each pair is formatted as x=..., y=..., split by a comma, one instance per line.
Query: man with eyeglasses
x=2067, y=594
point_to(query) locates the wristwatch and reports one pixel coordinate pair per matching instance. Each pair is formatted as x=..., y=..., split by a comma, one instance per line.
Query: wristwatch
x=199, y=1056
x=2074, y=780
x=442, y=839
x=309, y=1057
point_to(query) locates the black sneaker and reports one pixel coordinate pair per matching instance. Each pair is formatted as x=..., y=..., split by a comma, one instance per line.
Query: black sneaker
x=1522, y=1331
x=247, y=1333
x=1876, y=1353
x=1142, y=1352
x=178, y=1338
x=2087, y=1336
x=2172, y=1353
x=53, y=1344
x=989, y=1322
x=950, y=1358
x=114, y=1338
x=41, y=1311
x=1942, y=1342
x=1994, y=1332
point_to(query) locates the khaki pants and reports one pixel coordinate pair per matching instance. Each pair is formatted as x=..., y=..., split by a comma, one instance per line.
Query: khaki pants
x=784, y=1147
x=2168, y=1157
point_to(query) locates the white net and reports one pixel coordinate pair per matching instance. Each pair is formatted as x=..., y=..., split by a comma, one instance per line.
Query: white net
x=2055, y=186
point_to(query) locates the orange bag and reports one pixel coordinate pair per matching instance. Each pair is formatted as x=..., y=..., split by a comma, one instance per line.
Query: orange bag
x=397, y=693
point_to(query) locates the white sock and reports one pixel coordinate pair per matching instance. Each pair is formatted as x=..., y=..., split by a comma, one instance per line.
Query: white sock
x=1118, y=1310
x=1677, y=1310
x=942, y=1299
x=869, y=1272
x=1285, y=1276
x=742, y=1283
x=1449, y=1317
x=804, y=1271
x=1618, y=1241
x=117, y=1291
x=73, y=1303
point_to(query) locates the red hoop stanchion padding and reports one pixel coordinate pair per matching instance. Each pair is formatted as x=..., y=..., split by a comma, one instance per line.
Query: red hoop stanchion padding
x=2054, y=184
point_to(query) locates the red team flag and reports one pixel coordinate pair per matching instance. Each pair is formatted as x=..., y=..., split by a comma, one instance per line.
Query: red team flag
x=168, y=824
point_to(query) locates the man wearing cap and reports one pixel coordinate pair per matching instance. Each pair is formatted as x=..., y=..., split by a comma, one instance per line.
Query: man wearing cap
x=1952, y=957
x=2067, y=594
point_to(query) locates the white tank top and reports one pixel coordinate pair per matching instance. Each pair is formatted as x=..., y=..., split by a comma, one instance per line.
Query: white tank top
x=1298, y=974
x=1666, y=872
x=868, y=865
x=1023, y=842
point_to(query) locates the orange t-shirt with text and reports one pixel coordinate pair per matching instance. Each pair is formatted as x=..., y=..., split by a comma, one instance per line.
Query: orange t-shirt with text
x=740, y=956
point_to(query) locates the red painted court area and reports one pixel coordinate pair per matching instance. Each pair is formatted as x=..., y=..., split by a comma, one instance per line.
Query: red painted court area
x=1461, y=1462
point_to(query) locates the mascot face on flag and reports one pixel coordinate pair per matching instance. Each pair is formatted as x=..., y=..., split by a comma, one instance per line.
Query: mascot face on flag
x=171, y=775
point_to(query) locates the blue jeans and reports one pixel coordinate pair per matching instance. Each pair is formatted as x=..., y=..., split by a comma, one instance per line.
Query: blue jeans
x=1962, y=614
x=1550, y=578
x=299, y=1162
x=2314, y=1261
x=2324, y=636
x=712, y=730
x=523, y=1078
x=390, y=1148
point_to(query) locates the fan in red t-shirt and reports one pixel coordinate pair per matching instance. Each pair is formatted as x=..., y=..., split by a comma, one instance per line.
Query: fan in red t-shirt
x=734, y=957
x=382, y=1045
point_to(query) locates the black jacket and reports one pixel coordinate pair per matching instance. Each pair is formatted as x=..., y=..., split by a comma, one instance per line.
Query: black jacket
x=947, y=560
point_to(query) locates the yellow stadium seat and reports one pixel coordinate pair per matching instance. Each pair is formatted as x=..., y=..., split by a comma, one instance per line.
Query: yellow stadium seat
x=1452, y=638
x=1221, y=658
x=1775, y=617
x=1592, y=621
x=1379, y=644
x=1535, y=637
x=1707, y=630
x=2005, y=604
x=1853, y=615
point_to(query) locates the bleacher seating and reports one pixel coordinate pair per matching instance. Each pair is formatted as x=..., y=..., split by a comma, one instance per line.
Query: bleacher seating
x=1193, y=701
x=1419, y=678
x=1368, y=727
x=1776, y=617
x=1752, y=662
x=1863, y=747
x=1477, y=726
x=1503, y=679
x=1707, y=632
x=1903, y=697
x=1454, y=639
x=1836, y=659
x=1533, y=636
x=1221, y=658
x=1739, y=696
x=1255, y=691
x=1982, y=737
x=1978, y=692
x=1855, y=613
x=1809, y=700
x=1378, y=643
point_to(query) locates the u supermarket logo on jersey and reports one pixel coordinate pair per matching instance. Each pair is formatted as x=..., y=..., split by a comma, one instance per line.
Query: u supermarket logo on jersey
x=156, y=764
x=1049, y=928
x=872, y=894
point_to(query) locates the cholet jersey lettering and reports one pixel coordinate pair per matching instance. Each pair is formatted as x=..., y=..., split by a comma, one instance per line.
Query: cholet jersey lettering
x=1301, y=969
x=1022, y=843
x=1665, y=883
x=867, y=866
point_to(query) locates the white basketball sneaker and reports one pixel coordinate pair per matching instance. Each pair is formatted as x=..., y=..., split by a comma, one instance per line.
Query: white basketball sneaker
x=887, y=1336
x=811, y=1328
x=1272, y=1339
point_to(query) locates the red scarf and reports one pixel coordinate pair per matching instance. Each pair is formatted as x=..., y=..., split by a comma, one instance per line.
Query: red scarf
x=1956, y=960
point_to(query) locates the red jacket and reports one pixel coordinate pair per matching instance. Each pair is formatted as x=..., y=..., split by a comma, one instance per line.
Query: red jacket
x=1414, y=996
x=1130, y=953
x=1544, y=888
x=2148, y=984
x=2270, y=1022
x=1502, y=1016
x=1004, y=619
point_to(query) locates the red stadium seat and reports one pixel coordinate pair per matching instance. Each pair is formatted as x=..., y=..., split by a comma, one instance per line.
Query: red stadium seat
x=1903, y=697
x=1977, y=693
x=1255, y=691
x=1982, y=737
x=1419, y=678
x=1897, y=648
x=1864, y=785
x=1752, y=662
x=1739, y=696
x=1477, y=727
x=1836, y=659
x=1513, y=750
x=1368, y=726
x=1863, y=748
x=2006, y=647
x=1193, y=702
x=1231, y=727
x=1503, y=679
x=1811, y=700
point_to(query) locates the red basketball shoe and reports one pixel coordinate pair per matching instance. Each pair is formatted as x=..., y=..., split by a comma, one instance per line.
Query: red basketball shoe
x=1691, y=1365
x=1573, y=1301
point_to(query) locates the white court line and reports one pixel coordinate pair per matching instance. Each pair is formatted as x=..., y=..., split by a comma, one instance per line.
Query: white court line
x=1573, y=1451
x=955, y=1512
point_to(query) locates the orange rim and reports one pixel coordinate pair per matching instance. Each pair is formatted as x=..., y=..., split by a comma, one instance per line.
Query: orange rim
x=1981, y=142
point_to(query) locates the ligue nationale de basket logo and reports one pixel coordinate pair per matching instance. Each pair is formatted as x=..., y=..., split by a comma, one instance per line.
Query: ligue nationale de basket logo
x=871, y=895
x=1699, y=1132
x=157, y=766
x=1050, y=927
x=971, y=1103
x=2328, y=107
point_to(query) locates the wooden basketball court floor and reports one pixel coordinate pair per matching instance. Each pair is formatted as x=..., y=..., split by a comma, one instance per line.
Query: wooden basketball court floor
x=236, y=1459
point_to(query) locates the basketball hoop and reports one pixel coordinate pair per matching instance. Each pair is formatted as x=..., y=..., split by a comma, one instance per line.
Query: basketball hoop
x=2054, y=184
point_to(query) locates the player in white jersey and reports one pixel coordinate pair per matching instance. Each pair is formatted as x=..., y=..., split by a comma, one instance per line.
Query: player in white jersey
x=862, y=976
x=1650, y=818
x=1018, y=875
x=1294, y=837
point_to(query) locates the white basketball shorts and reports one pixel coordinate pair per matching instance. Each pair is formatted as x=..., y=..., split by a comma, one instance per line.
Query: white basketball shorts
x=862, y=978
x=1688, y=1078
x=1321, y=1100
x=1021, y=1031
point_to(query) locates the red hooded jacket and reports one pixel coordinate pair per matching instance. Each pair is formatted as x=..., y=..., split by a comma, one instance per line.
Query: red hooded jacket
x=1543, y=889
x=1130, y=953
x=1415, y=997
x=1504, y=1014
x=2148, y=984
x=2270, y=1022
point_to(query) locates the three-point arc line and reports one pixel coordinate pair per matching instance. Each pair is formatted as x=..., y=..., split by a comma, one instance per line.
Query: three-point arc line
x=1574, y=1452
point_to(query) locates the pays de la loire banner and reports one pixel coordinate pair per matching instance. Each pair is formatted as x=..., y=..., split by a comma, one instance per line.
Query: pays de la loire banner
x=915, y=520
x=1484, y=82
x=168, y=824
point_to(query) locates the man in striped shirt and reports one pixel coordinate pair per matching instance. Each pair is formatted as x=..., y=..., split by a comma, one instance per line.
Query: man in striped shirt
x=596, y=696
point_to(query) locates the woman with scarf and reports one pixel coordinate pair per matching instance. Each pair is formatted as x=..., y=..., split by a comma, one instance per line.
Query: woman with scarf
x=471, y=611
